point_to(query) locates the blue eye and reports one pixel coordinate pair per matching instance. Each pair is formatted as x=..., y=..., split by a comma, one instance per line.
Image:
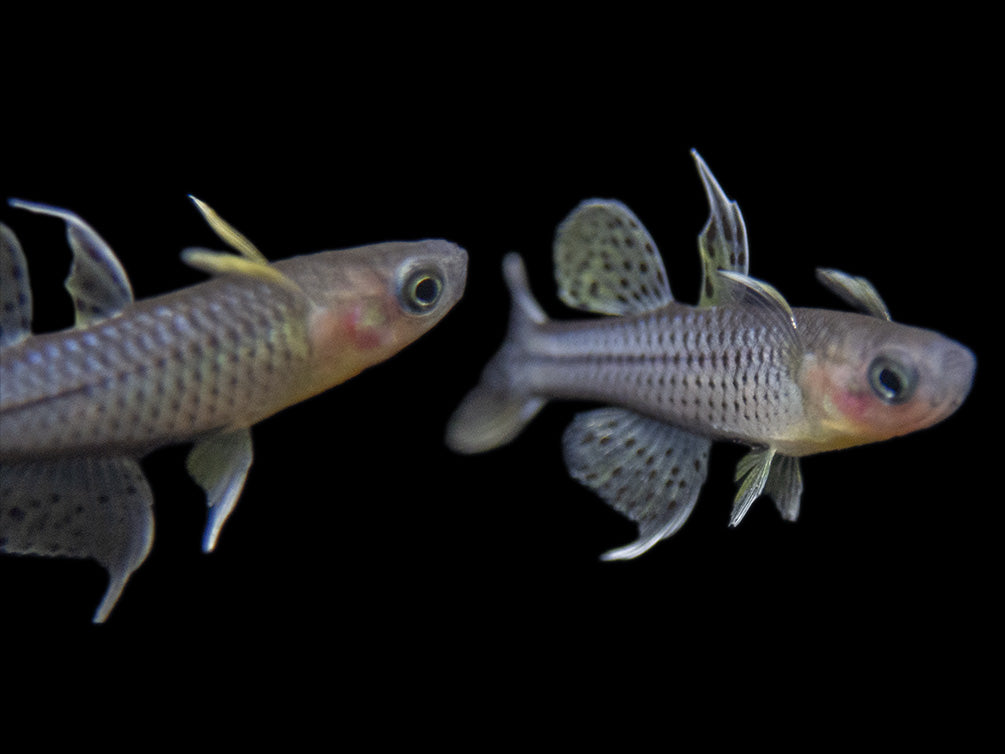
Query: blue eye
x=892, y=381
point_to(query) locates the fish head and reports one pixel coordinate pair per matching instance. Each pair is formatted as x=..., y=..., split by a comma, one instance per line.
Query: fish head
x=371, y=301
x=869, y=379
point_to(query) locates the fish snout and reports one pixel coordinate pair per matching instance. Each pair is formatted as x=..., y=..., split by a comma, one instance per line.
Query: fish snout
x=957, y=365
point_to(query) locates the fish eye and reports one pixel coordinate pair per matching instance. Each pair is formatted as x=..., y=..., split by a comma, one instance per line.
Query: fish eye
x=420, y=290
x=892, y=381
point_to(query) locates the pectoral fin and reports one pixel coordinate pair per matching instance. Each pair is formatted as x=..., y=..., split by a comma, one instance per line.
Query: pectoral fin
x=762, y=471
x=219, y=464
x=785, y=486
x=649, y=471
x=752, y=474
x=98, y=508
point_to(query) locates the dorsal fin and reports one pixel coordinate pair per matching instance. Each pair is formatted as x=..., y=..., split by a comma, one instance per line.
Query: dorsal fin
x=228, y=234
x=606, y=261
x=739, y=289
x=251, y=261
x=15, y=290
x=722, y=243
x=854, y=291
x=97, y=283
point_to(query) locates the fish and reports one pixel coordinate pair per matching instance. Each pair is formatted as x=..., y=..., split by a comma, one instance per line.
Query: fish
x=80, y=407
x=741, y=366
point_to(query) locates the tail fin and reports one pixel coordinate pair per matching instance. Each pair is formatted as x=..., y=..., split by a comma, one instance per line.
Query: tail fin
x=494, y=412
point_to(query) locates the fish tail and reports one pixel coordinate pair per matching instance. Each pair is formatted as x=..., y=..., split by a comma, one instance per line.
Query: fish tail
x=496, y=411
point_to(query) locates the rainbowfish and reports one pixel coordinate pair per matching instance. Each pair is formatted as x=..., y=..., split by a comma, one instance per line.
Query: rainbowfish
x=741, y=366
x=199, y=365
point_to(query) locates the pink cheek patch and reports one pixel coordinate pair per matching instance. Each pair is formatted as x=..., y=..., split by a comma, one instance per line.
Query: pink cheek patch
x=363, y=327
x=853, y=406
x=336, y=332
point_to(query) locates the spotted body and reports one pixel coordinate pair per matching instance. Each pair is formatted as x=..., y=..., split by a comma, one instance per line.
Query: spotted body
x=202, y=365
x=742, y=366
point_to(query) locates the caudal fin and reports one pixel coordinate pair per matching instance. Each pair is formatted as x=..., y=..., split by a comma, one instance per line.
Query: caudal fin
x=495, y=411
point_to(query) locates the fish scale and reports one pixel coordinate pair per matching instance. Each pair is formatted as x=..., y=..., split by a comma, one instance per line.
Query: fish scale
x=173, y=368
x=713, y=369
x=79, y=408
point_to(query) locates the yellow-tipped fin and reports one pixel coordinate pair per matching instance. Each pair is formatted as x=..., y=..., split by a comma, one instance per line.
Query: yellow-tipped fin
x=222, y=263
x=228, y=234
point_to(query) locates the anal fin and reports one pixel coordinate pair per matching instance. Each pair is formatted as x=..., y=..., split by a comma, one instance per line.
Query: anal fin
x=647, y=470
x=99, y=508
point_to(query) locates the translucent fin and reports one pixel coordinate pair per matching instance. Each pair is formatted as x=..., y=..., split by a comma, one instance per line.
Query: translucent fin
x=752, y=472
x=743, y=290
x=97, y=283
x=489, y=416
x=222, y=263
x=515, y=276
x=15, y=290
x=785, y=486
x=228, y=234
x=219, y=465
x=606, y=261
x=649, y=471
x=723, y=241
x=493, y=413
x=854, y=291
x=98, y=508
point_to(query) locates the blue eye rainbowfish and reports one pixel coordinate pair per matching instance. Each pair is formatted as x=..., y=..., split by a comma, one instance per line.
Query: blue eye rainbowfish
x=741, y=366
x=199, y=365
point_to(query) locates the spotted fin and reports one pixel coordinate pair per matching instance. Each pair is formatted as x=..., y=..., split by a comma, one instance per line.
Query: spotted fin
x=649, y=471
x=99, y=508
x=219, y=464
x=15, y=290
x=606, y=262
x=854, y=291
x=722, y=243
x=97, y=283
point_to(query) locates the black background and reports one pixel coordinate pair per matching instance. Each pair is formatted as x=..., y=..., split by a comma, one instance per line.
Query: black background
x=358, y=531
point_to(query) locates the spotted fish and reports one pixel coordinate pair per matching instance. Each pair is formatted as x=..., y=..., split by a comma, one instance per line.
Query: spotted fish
x=741, y=366
x=200, y=365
